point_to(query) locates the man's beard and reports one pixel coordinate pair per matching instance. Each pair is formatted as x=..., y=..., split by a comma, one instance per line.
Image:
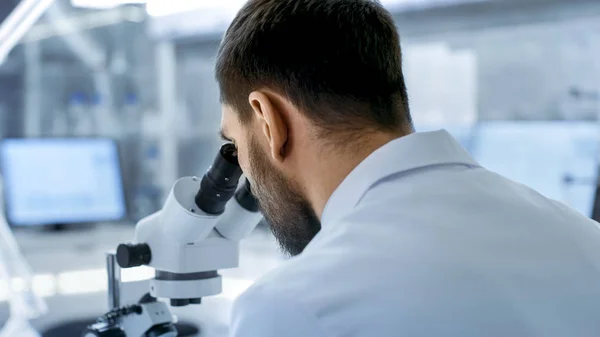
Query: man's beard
x=288, y=213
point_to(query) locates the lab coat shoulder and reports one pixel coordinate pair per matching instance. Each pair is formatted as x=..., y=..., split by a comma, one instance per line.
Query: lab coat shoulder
x=270, y=309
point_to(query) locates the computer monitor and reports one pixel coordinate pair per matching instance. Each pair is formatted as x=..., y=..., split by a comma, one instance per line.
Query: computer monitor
x=559, y=159
x=61, y=181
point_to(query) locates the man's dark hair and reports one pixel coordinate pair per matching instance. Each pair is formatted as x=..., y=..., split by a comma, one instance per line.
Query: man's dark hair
x=338, y=61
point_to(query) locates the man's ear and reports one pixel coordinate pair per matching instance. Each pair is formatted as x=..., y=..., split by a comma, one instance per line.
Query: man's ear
x=271, y=121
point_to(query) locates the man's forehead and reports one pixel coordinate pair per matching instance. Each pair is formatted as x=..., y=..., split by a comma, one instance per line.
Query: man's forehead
x=228, y=120
x=226, y=116
x=228, y=111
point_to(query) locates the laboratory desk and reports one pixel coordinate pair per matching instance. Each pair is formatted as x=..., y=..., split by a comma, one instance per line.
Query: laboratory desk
x=63, y=252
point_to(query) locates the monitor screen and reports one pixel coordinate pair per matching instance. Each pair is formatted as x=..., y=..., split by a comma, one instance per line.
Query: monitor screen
x=557, y=159
x=61, y=181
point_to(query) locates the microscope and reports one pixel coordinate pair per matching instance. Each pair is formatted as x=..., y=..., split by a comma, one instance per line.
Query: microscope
x=194, y=235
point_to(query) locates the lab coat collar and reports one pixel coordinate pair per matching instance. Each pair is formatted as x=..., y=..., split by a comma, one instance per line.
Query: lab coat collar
x=407, y=153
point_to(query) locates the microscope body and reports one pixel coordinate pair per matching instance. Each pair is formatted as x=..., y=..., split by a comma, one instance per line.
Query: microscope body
x=188, y=245
x=195, y=234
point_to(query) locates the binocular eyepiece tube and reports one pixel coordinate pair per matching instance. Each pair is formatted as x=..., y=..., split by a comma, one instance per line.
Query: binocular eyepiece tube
x=220, y=182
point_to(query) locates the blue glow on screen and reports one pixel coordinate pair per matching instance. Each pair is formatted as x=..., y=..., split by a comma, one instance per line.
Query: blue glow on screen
x=61, y=181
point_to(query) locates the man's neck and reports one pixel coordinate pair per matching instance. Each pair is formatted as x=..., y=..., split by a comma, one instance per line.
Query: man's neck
x=328, y=170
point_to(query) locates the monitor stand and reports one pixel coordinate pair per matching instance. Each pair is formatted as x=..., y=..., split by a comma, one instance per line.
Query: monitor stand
x=68, y=227
x=596, y=207
x=58, y=227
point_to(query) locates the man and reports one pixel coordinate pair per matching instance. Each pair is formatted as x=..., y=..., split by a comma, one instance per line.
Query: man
x=394, y=233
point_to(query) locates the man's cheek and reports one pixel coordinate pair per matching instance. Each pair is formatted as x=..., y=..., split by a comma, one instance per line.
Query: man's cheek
x=244, y=165
x=243, y=161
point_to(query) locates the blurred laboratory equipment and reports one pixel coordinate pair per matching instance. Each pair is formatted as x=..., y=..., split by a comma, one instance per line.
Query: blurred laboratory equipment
x=59, y=125
x=131, y=115
x=586, y=102
x=3, y=120
x=104, y=118
x=81, y=119
x=72, y=119
x=16, y=274
x=139, y=156
x=148, y=195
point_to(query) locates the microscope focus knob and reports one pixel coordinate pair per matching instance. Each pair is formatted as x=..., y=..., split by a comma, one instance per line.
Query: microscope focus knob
x=133, y=255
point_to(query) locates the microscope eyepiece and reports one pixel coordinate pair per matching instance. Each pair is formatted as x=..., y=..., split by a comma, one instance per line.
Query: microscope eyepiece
x=220, y=181
x=246, y=199
x=229, y=153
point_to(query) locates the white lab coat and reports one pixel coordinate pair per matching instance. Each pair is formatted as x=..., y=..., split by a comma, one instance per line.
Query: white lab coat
x=421, y=241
